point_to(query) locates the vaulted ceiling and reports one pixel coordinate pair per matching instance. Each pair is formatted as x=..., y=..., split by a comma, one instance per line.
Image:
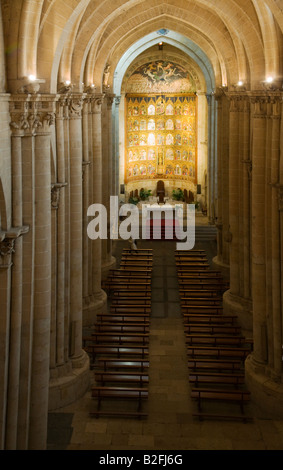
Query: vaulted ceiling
x=60, y=40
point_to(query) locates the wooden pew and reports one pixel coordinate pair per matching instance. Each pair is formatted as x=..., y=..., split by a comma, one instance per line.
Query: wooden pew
x=212, y=329
x=123, y=317
x=135, y=263
x=130, y=309
x=209, y=319
x=238, y=396
x=202, y=309
x=188, y=301
x=215, y=340
x=130, y=272
x=131, y=286
x=116, y=350
x=190, y=251
x=231, y=365
x=144, y=269
x=131, y=301
x=126, y=393
x=101, y=337
x=204, y=293
x=183, y=274
x=122, y=327
x=218, y=352
x=138, y=250
x=216, y=378
x=110, y=363
x=131, y=293
x=106, y=377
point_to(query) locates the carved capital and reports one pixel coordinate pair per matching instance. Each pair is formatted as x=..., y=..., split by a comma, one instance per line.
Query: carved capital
x=55, y=194
x=110, y=100
x=96, y=102
x=85, y=166
x=279, y=188
x=75, y=105
x=117, y=101
x=7, y=244
x=31, y=115
x=249, y=164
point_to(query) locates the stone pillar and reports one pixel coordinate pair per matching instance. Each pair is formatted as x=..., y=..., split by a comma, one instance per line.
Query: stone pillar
x=69, y=377
x=236, y=234
x=108, y=261
x=222, y=222
x=116, y=150
x=76, y=260
x=95, y=135
x=264, y=365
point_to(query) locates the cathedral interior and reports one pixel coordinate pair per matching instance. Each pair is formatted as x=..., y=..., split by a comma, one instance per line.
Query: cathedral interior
x=118, y=105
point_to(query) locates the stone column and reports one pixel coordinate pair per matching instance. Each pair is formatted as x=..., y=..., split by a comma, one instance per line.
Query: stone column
x=40, y=122
x=258, y=228
x=116, y=150
x=76, y=259
x=222, y=222
x=96, y=177
x=108, y=261
x=234, y=200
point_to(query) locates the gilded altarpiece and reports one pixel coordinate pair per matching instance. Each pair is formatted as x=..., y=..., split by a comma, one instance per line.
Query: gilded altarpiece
x=161, y=130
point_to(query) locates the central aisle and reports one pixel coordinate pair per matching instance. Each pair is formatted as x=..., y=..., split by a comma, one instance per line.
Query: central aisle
x=169, y=396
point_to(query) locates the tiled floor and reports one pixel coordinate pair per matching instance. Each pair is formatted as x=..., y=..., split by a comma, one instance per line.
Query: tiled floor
x=169, y=425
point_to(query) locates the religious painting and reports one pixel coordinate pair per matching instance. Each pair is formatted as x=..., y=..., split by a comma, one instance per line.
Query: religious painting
x=162, y=76
x=160, y=136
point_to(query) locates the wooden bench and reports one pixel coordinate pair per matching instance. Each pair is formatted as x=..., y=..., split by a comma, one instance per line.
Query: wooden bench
x=142, y=269
x=239, y=396
x=128, y=277
x=137, y=259
x=220, y=352
x=209, y=319
x=130, y=308
x=121, y=327
x=136, y=255
x=138, y=250
x=135, y=263
x=190, y=251
x=194, y=264
x=199, y=378
x=123, y=318
x=199, y=283
x=116, y=350
x=199, y=275
x=215, y=340
x=231, y=365
x=130, y=282
x=123, y=364
x=204, y=294
x=113, y=338
x=131, y=286
x=131, y=301
x=123, y=273
x=136, y=393
x=212, y=329
x=187, y=301
x=131, y=293
x=199, y=309
x=106, y=377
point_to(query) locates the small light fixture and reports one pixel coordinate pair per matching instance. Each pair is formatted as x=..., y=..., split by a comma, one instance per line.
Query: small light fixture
x=240, y=83
x=269, y=79
x=160, y=46
x=32, y=78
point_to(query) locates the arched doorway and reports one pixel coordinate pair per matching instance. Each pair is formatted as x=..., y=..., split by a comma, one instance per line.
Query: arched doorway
x=178, y=148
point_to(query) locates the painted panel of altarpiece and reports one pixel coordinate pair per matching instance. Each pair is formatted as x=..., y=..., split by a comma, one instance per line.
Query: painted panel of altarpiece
x=161, y=130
